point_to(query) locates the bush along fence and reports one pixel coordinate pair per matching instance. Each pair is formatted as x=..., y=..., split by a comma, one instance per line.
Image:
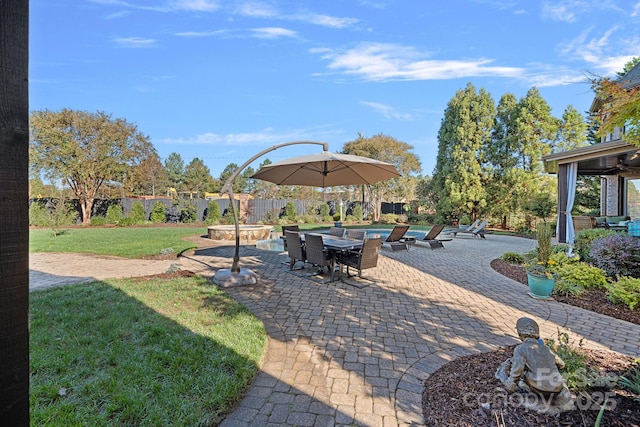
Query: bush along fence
x=128, y=211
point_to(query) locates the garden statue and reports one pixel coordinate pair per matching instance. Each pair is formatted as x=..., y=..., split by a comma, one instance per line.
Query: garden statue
x=534, y=369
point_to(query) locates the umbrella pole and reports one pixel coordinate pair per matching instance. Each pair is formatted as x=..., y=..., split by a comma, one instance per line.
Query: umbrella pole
x=221, y=276
x=235, y=267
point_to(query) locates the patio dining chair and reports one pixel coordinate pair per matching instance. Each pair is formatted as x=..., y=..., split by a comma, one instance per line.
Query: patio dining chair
x=316, y=254
x=285, y=228
x=294, y=248
x=356, y=234
x=337, y=231
x=362, y=259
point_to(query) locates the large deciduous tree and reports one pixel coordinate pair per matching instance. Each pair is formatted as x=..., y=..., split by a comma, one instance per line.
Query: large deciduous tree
x=14, y=226
x=85, y=150
x=620, y=104
x=387, y=149
x=147, y=178
x=464, y=131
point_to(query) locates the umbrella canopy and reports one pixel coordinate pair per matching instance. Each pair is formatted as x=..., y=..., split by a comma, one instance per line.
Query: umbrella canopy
x=327, y=170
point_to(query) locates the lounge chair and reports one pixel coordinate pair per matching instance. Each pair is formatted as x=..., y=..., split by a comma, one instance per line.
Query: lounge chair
x=478, y=231
x=472, y=226
x=431, y=237
x=294, y=248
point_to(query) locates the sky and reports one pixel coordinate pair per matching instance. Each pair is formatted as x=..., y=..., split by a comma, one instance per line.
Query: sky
x=223, y=80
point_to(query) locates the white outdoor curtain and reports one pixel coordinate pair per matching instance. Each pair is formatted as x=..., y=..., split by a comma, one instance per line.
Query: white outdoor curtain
x=572, y=178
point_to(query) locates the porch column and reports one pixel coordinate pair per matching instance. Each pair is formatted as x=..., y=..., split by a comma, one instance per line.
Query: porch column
x=561, y=227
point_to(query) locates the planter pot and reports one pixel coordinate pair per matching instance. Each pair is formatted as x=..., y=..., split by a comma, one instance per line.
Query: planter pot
x=540, y=286
x=337, y=224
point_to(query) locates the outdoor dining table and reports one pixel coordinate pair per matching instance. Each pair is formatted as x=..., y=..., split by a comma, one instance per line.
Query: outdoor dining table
x=336, y=245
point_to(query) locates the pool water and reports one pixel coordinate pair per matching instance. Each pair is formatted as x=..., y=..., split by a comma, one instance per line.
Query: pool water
x=277, y=244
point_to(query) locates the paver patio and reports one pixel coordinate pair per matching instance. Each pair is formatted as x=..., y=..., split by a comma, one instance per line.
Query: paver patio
x=338, y=355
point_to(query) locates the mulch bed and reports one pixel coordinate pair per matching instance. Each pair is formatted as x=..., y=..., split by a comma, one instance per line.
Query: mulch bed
x=465, y=393
x=593, y=300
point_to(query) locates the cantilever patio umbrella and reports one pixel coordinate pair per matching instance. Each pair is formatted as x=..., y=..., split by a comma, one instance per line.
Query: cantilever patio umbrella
x=327, y=170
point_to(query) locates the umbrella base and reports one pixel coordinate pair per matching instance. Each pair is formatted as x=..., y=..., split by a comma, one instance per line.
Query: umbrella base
x=225, y=278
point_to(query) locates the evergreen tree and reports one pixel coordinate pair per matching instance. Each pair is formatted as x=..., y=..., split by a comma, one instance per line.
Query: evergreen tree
x=175, y=171
x=464, y=131
x=536, y=130
x=197, y=177
x=572, y=132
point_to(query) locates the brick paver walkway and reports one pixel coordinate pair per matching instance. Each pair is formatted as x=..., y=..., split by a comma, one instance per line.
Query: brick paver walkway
x=339, y=355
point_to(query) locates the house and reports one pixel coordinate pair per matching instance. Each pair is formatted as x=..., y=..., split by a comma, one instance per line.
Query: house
x=615, y=161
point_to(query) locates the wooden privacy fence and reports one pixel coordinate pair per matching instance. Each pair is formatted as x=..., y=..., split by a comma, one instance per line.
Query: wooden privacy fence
x=254, y=210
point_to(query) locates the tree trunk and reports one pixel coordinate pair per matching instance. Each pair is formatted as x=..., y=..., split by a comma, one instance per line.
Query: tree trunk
x=14, y=225
x=86, y=204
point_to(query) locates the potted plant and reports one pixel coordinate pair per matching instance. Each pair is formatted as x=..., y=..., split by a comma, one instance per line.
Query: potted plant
x=540, y=274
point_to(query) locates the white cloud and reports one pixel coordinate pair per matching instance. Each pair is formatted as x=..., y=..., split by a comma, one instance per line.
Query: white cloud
x=263, y=137
x=636, y=10
x=323, y=20
x=167, y=6
x=273, y=32
x=382, y=62
x=387, y=111
x=605, y=52
x=261, y=33
x=558, y=12
x=263, y=10
x=256, y=10
x=196, y=5
x=135, y=42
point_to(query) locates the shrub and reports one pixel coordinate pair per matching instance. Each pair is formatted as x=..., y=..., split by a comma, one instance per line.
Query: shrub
x=626, y=290
x=271, y=217
x=308, y=219
x=388, y=218
x=158, y=213
x=114, y=214
x=422, y=219
x=336, y=216
x=581, y=274
x=173, y=214
x=357, y=212
x=617, y=255
x=189, y=213
x=512, y=258
x=584, y=238
x=98, y=221
x=631, y=381
x=574, y=372
x=38, y=215
x=324, y=211
x=566, y=288
x=543, y=234
x=290, y=211
x=403, y=219
x=327, y=218
x=126, y=222
x=137, y=214
x=213, y=213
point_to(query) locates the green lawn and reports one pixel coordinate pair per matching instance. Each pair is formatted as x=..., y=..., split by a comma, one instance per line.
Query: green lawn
x=130, y=242
x=143, y=352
